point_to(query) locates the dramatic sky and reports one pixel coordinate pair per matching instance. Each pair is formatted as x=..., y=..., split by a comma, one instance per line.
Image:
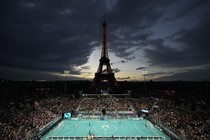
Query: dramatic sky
x=152, y=39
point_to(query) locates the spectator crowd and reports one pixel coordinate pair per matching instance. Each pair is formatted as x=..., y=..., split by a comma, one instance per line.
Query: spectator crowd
x=111, y=104
x=189, y=125
x=22, y=121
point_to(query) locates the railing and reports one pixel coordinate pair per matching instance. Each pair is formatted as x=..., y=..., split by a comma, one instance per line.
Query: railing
x=97, y=117
x=109, y=138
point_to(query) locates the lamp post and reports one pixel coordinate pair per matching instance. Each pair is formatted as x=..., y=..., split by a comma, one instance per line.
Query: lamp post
x=66, y=72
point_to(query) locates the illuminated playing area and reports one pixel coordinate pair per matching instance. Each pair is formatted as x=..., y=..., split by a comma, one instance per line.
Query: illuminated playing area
x=105, y=129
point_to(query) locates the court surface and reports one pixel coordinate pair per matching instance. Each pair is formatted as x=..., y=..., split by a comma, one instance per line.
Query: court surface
x=105, y=128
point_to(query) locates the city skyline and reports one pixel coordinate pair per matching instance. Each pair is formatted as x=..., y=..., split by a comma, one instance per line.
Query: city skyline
x=159, y=40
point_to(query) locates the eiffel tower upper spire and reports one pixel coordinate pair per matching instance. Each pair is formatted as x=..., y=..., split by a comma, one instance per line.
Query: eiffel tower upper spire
x=104, y=51
x=104, y=60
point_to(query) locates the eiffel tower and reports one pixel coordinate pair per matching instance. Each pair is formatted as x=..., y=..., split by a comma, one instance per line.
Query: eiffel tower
x=104, y=78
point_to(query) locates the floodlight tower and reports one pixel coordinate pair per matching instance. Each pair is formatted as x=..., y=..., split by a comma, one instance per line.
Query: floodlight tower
x=143, y=69
x=145, y=81
x=66, y=72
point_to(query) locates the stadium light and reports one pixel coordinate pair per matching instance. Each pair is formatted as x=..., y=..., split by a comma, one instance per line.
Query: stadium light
x=145, y=82
x=143, y=69
x=66, y=72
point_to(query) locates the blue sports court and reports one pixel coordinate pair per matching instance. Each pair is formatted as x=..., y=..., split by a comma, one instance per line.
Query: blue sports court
x=105, y=129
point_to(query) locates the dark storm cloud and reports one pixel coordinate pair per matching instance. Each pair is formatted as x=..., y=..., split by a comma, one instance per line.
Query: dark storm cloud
x=199, y=74
x=161, y=55
x=124, y=78
x=190, y=8
x=131, y=19
x=49, y=36
x=122, y=61
x=141, y=68
x=115, y=70
x=151, y=75
x=46, y=35
x=86, y=67
x=194, y=44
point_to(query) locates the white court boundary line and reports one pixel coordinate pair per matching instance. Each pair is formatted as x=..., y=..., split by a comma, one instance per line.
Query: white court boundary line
x=105, y=132
x=145, y=129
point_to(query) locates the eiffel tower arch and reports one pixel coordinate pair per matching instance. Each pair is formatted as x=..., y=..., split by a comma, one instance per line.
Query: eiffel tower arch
x=104, y=79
